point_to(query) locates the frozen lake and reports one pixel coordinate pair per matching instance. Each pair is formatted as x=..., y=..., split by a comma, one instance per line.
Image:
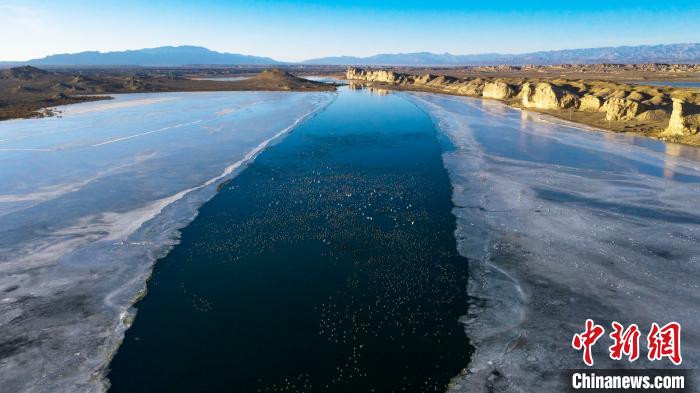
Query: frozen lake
x=328, y=265
x=89, y=199
x=560, y=225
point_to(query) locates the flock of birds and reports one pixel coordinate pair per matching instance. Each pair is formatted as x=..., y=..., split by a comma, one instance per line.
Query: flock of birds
x=392, y=322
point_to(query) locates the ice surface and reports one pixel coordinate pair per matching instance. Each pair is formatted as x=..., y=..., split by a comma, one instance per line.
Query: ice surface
x=561, y=225
x=89, y=200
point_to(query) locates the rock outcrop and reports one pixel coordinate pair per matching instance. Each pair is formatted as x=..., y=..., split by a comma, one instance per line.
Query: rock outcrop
x=546, y=96
x=685, y=118
x=603, y=104
x=498, y=90
x=472, y=88
x=622, y=108
x=424, y=79
x=591, y=103
x=653, y=115
x=381, y=76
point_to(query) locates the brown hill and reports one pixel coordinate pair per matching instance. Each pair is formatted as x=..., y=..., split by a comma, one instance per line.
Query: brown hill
x=23, y=73
x=278, y=79
x=24, y=91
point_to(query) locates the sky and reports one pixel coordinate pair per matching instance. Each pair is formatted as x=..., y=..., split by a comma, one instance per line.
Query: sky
x=300, y=30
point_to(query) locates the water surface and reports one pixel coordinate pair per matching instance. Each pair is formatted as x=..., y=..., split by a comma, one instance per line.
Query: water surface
x=88, y=200
x=328, y=265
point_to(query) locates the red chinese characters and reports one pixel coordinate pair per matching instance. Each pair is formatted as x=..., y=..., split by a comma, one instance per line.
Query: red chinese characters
x=626, y=341
x=662, y=342
x=587, y=339
x=665, y=342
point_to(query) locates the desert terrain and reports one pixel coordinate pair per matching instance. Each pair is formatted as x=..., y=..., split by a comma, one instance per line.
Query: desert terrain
x=28, y=91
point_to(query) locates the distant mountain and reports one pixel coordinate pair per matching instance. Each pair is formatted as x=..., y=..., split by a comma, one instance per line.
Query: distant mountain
x=161, y=56
x=418, y=58
x=196, y=55
x=674, y=53
x=8, y=64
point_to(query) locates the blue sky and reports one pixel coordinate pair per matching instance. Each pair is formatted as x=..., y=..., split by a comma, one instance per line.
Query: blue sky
x=293, y=31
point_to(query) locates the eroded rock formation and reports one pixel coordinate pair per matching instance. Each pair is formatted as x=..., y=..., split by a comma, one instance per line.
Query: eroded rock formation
x=590, y=103
x=616, y=108
x=472, y=88
x=685, y=118
x=547, y=96
x=603, y=104
x=498, y=90
x=376, y=76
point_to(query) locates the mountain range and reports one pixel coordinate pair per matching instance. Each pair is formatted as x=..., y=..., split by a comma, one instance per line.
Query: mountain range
x=154, y=57
x=196, y=55
x=674, y=53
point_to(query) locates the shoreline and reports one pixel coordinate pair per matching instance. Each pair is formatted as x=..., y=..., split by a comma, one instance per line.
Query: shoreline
x=666, y=113
x=129, y=312
x=30, y=92
x=150, y=231
x=526, y=281
x=383, y=199
x=545, y=114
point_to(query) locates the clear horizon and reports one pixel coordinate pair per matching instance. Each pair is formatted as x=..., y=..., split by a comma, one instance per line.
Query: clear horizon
x=287, y=31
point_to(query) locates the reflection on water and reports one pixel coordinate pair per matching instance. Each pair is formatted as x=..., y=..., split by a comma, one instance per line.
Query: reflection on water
x=543, y=139
x=525, y=118
x=323, y=79
x=684, y=151
x=673, y=152
x=493, y=107
x=372, y=89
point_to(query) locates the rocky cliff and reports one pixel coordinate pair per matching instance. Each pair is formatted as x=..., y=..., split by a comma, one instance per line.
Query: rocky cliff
x=685, y=118
x=544, y=95
x=498, y=89
x=664, y=112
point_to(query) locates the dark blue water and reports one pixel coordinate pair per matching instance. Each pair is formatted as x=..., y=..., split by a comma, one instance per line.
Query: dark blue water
x=328, y=265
